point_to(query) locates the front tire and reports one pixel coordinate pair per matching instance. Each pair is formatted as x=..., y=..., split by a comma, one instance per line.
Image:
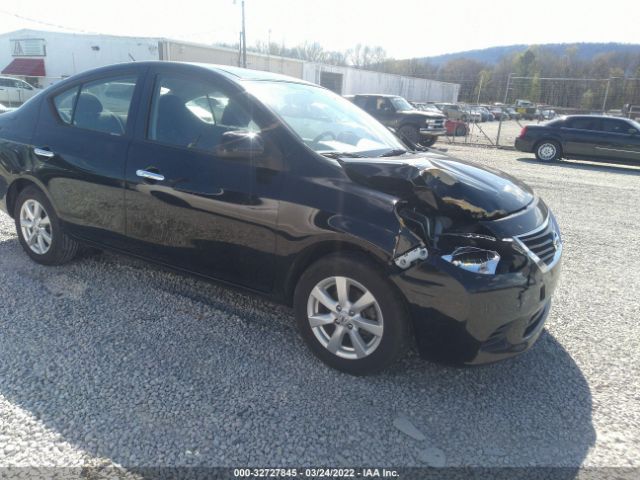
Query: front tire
x=350, y=315
x=548, y=151
x=39, y=230
x=410, y=132
x=428, y=142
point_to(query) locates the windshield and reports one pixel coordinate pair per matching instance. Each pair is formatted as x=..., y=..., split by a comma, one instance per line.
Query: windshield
x=324, y=121
x=401, y=104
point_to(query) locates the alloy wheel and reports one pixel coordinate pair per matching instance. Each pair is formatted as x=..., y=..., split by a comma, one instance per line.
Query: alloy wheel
x=35, y=226
x=547, y=151
x=345, y=317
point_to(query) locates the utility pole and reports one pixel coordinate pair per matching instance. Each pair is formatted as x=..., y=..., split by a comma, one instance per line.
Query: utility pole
x=269, y=51
x=244, y=40
x=480, y=87
x=606, y=95
x=506, y=97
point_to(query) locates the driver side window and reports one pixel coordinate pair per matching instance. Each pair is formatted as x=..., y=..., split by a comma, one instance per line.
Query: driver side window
x=194, y=114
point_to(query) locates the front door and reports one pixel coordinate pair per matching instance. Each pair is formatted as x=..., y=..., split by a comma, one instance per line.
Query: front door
x=580, y=136
x=619, y=141
x=186, y=205
x=81, y=144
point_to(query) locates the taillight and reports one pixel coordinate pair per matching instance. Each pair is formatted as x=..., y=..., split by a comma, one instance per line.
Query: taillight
x=523, y=132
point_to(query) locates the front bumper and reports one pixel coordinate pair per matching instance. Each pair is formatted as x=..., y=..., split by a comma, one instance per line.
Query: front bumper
x=524, y=145
x=433, y=132
x=462, y=317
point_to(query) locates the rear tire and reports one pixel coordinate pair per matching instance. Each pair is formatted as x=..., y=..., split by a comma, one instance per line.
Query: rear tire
x=548, y=151
x=365, y=340
x=39, y=230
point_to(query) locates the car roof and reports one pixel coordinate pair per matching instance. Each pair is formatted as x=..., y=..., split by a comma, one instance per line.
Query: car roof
x=386, y=95
x=239, y=73
x=233, y=73
x=591, y=116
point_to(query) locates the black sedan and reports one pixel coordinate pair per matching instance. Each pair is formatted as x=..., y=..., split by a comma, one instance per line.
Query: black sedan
x=284, y=188
x=583, y=137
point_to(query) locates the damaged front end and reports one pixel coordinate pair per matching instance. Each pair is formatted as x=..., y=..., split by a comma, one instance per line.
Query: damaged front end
x=476, y=291
x=444, y=203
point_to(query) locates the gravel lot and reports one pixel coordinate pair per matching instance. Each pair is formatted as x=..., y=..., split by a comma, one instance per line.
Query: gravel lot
x=109, y=360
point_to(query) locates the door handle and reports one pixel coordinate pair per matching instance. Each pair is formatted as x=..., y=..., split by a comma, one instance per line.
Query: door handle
x=43, y=152
x=150, y=175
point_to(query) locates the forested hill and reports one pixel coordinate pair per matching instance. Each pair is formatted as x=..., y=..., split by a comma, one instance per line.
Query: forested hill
x=493, y=55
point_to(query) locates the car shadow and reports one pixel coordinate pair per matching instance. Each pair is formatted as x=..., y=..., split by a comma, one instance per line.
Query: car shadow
x=147, y=368
x=624, y=168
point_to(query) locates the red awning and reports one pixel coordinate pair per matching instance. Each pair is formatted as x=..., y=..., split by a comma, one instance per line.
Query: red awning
x=25, y=67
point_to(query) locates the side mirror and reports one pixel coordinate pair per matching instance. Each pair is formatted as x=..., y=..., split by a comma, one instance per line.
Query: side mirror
x=633, y=131
x=240, y=144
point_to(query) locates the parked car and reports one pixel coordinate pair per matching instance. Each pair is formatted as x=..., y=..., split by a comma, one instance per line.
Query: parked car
x=547, y=114
x=454, y=111
x=426, y=107
x=588, y=137
x=527, y=110
x=485, y=114
x=456, y=128
x=419, y=127
x=499, y=113
x=513, y=114
x=14, y=91
x=473, y=114
x=292, y=192
x=631, y=111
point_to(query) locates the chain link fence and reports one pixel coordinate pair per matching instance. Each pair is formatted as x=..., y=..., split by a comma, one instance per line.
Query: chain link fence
x=532, y=100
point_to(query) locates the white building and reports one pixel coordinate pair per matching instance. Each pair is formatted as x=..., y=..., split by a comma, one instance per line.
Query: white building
x=43, y=58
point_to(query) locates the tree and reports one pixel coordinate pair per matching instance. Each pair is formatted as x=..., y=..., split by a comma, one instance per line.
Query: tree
x=534, y=93
x=587, y=100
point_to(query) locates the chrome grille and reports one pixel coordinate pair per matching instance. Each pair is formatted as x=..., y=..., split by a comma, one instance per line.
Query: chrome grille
x=543, y=242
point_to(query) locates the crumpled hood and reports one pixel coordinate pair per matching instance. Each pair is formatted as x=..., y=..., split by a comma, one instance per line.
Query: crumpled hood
x=445, y=185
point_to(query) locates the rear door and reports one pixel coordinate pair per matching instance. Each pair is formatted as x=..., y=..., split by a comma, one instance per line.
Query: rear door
x=581, y=135
x=81, y=145
x=188, y=207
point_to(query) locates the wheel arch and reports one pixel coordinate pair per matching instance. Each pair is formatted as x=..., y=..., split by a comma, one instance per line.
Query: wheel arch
x=18, y=186
x=315, y=252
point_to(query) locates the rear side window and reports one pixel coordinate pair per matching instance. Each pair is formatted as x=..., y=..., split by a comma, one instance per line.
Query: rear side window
x=65, y=102
x=104, y=105
x=584, y=123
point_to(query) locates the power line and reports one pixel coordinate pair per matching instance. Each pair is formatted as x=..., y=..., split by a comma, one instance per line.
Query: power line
x=42, y=22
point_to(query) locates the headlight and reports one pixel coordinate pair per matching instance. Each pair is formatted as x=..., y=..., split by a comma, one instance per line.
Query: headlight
x=476, y=260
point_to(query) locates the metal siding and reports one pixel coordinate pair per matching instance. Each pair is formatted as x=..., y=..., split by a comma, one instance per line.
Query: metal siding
x=365, y=81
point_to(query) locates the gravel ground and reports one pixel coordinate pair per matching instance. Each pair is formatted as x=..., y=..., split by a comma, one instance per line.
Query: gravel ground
x=109, y=360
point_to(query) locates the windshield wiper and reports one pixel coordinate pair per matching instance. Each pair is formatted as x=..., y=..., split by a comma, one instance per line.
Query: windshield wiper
x=394, y=153
x=341, y=154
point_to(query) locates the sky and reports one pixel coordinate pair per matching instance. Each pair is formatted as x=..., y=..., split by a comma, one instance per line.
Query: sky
x=404, y=28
